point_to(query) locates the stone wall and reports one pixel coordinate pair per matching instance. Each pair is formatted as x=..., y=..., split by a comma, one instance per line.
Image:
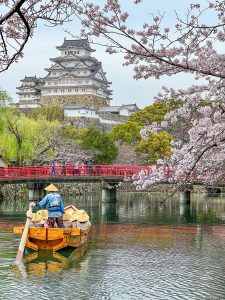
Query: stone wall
x=62, y=100
x=114, y=117
x=83, y=122
x=13, y=191
x=17, y=191
x=10, y=191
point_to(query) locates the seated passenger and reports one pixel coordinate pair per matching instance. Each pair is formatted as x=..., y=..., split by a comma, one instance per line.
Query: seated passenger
x=67, y=220
x=36, y=221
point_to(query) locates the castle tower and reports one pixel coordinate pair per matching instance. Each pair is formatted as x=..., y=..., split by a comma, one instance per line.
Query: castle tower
x=30, y=92
x=75, y=77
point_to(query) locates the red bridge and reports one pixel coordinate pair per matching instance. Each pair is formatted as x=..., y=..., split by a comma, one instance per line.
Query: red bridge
x=37, y=177
x=87, y=173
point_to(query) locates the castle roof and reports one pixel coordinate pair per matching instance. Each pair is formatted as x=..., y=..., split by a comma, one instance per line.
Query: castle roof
x=73, y=57
x=30, y=79
x=79, y=43
x=131, y=107
x=110, y=109
x=95, y=68
x=72, y=106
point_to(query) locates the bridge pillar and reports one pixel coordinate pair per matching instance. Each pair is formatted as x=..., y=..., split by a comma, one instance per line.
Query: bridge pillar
x=108, y=194
x=185, y=194
x=36, y=191
x=185, y=197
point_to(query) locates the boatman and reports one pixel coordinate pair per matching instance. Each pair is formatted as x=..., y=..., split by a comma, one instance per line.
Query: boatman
x=53, y=203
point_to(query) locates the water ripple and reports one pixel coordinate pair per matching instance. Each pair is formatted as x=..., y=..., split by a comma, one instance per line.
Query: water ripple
x=123, y=261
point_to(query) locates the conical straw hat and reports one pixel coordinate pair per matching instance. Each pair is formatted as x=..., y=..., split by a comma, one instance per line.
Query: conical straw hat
x=43, y=213
x=51, y=188
x=66, y=216
x=83, y=218
x=74, y=216
x=36, y=218
x=81, y=212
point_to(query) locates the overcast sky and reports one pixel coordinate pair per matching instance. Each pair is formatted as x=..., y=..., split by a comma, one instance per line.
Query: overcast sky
x=125, y=89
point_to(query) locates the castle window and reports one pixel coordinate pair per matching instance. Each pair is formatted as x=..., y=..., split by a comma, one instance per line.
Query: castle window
x=83, y=90
x=55, y=91
x=62, y=91
x=69, y=91
x=65, y=52
x=76, y=90
x=78, y=52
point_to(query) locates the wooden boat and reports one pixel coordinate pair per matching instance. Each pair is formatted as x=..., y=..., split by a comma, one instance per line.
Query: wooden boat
x=41, y=238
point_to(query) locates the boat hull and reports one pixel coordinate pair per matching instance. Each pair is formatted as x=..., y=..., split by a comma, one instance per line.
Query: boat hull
x=54, y=238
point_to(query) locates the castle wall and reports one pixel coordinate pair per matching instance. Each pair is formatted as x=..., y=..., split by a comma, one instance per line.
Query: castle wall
x=61, y=100
x=83, y=122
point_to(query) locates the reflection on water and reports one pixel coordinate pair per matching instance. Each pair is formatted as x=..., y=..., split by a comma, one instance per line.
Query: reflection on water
x=134, y=207
x=42, y=262
x=136, y=250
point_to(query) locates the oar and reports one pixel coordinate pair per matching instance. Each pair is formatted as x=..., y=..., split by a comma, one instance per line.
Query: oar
x=24, y=237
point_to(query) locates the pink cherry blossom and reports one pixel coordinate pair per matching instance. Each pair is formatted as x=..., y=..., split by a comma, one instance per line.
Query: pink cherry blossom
x=194, y=46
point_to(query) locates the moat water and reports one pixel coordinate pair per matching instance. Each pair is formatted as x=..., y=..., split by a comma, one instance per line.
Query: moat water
x=136, y=250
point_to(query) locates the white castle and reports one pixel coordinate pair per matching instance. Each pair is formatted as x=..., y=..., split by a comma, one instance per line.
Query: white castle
x=74, y=80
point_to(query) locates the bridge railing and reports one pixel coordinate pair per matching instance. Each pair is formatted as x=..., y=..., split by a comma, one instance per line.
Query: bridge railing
x=68, y=171
x=91, y=170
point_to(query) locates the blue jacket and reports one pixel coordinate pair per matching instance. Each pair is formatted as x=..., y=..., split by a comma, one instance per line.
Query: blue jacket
x=53, y=203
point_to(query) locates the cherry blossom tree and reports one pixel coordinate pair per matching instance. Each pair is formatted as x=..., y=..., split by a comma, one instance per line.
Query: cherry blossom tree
x=193, y=46
x=18, y=20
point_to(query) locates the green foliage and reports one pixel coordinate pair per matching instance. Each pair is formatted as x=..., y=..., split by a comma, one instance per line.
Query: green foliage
x=23, y=139
x=100, y=144
x=127, y=133
x=154, y=112
x=51, y=113
x=5, y=99
x=72, y=132
x=155, y=147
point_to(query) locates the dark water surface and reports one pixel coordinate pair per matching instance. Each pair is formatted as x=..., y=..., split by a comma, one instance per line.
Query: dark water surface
x=136, y=250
